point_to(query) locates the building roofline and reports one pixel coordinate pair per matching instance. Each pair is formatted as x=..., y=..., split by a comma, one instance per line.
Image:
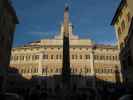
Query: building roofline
x=105, y=46
x=118, y=11
x=8, y=4
x=90, y=46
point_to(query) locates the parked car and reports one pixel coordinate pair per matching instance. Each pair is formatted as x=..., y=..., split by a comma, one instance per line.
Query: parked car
x=126, y=97
x=10, y=96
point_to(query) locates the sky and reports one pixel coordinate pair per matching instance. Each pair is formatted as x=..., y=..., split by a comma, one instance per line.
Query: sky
x=40, y=19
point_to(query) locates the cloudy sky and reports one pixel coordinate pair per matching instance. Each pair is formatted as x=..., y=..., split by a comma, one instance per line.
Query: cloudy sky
x=41, y=19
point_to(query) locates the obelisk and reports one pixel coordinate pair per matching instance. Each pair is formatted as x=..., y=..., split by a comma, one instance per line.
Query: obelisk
x=66, y=53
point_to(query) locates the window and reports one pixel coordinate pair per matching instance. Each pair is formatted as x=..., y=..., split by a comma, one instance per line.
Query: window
x=45, y=56
x=73, y=48
x=120, y=14
x=123, y=25
x=32, y=57
x=110, y=71
x=95, y=57
x=11, y=57
x=80, y=56
x=17, y=57
x=72, y=56
x=27, y=57
x=57, y=70
x=87, y=56
x=110, y=58
x=113, y=57
x=2, y=39
x=119, y=31
x=60, y=56
x=44, y=70
x=51, y=70
x=28, y=70
x=36, y=57
x=34, y=70
x=117, y=21
x=101, y=57
x=107, y=58
x=81, y=70
x=128, y=17
x=22, y=70
x=96, y=70
x=116, y=58
x=87, y=70
x=73, y=70
x=126, y=5
x=102, y=70
x=121, y=45
x=22, y=57
x=76, y=57
x=57, y=56
x=52, y=56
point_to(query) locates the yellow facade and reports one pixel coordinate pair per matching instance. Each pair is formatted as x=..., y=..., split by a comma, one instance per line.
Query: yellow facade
x=44, y=58
x=123, y=21
x=122, y=24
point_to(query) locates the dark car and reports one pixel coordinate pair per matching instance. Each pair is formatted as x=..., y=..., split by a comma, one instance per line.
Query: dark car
x=10, y=96
x=126, y=97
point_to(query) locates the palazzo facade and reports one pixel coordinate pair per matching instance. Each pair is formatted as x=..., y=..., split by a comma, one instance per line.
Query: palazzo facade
x=44, y=58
